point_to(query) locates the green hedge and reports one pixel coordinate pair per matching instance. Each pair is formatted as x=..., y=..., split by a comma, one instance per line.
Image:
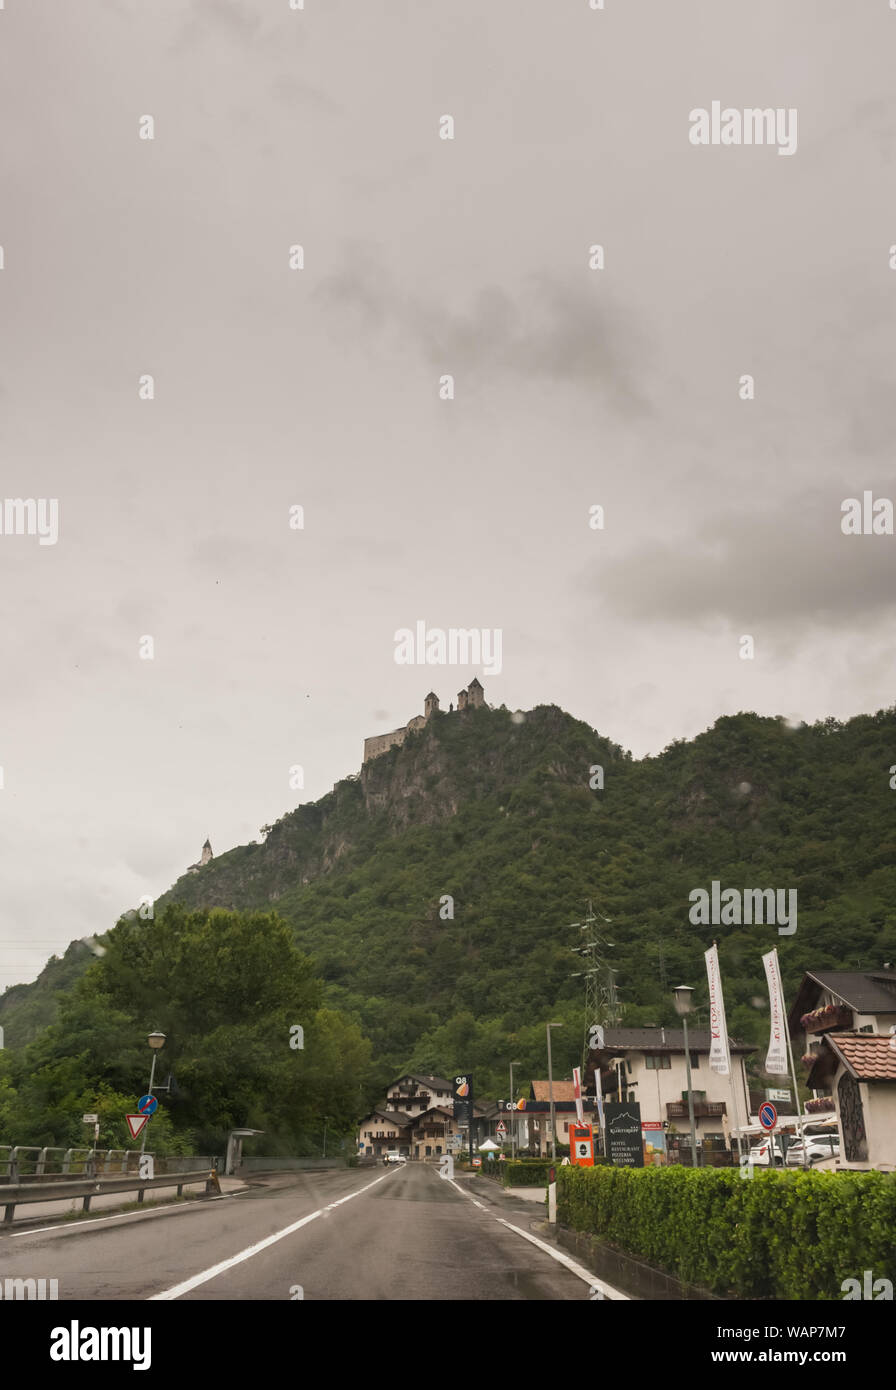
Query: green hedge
x=525, y=1172
x=776, y=1235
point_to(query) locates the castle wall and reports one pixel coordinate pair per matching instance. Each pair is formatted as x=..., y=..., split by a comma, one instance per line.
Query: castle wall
x=381, y=743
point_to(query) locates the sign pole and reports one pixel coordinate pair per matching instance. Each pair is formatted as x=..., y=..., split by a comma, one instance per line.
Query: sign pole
x=152, y=1072
x=796, y=1095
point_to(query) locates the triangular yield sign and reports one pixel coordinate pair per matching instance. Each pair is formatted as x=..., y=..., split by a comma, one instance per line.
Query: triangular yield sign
x=136, y=1123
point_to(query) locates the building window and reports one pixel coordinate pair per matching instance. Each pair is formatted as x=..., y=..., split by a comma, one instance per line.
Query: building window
x=658, y=1061
x=695, y=1061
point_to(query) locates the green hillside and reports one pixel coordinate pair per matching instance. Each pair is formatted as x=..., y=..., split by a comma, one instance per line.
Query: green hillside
x=496, y=810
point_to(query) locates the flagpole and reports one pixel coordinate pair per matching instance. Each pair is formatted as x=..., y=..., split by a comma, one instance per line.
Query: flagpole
x=796, y=1091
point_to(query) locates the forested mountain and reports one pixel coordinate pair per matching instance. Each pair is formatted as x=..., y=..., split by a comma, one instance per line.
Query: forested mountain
x=497, y=812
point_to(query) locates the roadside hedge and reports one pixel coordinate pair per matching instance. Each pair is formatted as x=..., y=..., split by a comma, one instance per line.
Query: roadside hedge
x=776, y=1235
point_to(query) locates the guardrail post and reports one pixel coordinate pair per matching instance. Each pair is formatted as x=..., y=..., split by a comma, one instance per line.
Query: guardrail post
x=140, y=1194
x=67, y=1161
x=10, y=1208
x=41, y=1161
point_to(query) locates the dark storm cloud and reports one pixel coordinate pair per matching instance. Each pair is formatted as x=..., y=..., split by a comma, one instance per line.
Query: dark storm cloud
x=784, y=565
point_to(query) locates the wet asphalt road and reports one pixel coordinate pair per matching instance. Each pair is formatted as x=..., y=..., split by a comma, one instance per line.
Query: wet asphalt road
x=390, y=1234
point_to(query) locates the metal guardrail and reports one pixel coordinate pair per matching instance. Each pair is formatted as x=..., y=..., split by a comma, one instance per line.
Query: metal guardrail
x=13, y=1195
x=20, y=1162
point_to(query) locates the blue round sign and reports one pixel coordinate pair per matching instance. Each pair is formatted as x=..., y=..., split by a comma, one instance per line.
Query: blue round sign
x=768, y=1115
x=147, y=1105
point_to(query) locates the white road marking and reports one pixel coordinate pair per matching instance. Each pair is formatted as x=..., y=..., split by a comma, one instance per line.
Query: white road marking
x=590, y=1279
x=606, y=1289
x=224, y=1265
x=119, y=1216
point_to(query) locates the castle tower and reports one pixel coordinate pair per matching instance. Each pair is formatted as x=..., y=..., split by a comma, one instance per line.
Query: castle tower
x=430, y=704
x=461, y=699
x=206, y=854
x=476, y=693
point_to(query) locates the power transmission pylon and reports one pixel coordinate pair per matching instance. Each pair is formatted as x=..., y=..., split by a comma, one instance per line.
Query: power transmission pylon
x=601, y=995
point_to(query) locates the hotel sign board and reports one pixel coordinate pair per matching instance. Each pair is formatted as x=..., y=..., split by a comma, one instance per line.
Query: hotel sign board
x=622, y=1120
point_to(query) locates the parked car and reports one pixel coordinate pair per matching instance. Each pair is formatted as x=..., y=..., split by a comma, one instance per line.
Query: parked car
x=816, y=1147
x=761, y=1156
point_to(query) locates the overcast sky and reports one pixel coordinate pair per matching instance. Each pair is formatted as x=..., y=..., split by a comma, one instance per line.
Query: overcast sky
x=423, y=257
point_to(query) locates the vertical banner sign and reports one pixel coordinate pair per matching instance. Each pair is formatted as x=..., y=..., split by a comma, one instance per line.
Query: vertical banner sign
x=719, y=1059
x=577, y=1089
x=463, y=1106
x=776, y=1060
x=625, y=1146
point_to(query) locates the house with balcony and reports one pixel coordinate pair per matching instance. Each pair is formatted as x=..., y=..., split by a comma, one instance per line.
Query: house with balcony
x=384, y=1131
x=844, y=1020
x=647, y=1065
x=416, y=1119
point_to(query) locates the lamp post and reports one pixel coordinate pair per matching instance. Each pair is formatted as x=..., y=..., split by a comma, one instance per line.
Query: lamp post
x=155, y=1040
x=512, y=1114
x=683, y=996
x=551, y=1091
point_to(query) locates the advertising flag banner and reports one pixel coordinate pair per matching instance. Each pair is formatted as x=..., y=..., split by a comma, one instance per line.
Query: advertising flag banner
x=577, y=1091
x=719, y=1059
x=776, y=1059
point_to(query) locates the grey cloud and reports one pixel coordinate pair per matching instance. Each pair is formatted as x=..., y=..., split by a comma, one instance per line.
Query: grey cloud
x=786, y=565
x=567, y=332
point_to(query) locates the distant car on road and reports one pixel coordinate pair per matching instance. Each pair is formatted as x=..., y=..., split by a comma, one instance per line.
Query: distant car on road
x=395, y=1158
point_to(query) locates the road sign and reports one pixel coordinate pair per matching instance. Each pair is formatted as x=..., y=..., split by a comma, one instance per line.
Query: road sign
x=768, y=1115
x=136, y=1123
x=777, y=1095
x=500, y=1127
x=90, y=1119
x=147, y=1105
x=651, y=1124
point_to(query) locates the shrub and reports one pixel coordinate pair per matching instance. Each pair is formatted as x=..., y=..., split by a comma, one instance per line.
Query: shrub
x=777, y=1235
x=526, y=1172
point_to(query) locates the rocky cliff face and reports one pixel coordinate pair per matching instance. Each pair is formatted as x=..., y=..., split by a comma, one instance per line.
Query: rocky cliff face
x=453, y=760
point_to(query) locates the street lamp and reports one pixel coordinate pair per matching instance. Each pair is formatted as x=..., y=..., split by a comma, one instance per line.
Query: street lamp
x=512, y=1114
x=683, y=996
x=551, y=1091
x=155, y=1040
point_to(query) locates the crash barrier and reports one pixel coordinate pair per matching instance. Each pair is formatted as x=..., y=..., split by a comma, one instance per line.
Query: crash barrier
x=14, y=1195
x=30, y=1162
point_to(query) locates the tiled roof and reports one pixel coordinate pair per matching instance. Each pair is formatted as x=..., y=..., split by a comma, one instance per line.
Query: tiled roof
x=664, y=1040
x=394, y=1119
x=429, y=1083
x=563, y=1090
x=869, y=1058
x=866, y=991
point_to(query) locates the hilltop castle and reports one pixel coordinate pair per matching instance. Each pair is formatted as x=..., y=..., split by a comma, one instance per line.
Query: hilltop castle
x=471, y=698
x=203, y=860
